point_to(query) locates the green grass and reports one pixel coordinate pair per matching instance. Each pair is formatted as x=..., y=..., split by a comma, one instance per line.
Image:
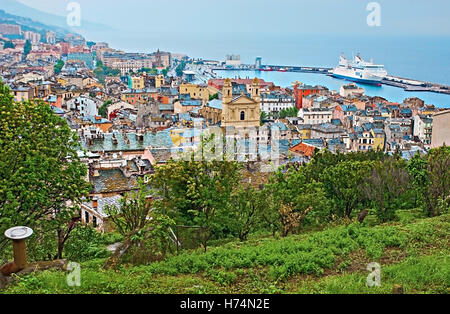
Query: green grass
x=411, y=252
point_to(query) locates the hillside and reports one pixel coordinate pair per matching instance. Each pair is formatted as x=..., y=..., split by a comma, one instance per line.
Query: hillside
x=59, y=22
x=413, y=252
x=28, y=24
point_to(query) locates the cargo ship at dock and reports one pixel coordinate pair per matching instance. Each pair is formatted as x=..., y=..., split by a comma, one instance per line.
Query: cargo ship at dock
x=360, y=71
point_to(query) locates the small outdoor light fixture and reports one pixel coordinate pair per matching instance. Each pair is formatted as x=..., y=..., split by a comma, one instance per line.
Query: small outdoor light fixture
x=18, y=235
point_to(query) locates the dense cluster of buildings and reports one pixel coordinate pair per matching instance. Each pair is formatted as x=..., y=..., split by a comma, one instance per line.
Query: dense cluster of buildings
x=131, y=122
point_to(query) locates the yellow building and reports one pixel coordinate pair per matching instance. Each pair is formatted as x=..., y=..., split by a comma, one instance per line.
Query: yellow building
x=159, y=81
x=241, y=111
x=304, y=132
x=378, y=139
x=195, y=91
x=136, y=82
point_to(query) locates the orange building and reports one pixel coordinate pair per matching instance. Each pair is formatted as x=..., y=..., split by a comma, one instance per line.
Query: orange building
x=135, y=96
x=301, y=90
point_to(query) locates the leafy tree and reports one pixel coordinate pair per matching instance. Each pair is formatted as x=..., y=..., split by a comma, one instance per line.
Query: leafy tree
x=214, y=96
x=263, y=117
x=58, y=66
x=246, y=207
x=386, y=184
x=140, y=226
x=438, y=192
x=417, y=169
x=290, y=112
x=9, y=44
x=343, y=184
x=180, y=68
x=85, y=244
x=41, y=176
x=103, y=110
x=290, y=197
x=197, y=193
x=27, y=48
x=90, y=44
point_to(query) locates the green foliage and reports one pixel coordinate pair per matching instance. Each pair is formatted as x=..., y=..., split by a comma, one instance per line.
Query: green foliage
x=196, y=193
x=214, y=96
x=246, y=207
x=386, y=185
x=180, y=68
x=40, y=171
x=437, y=195
x=146, y=231
x=259, y=265
x=290, y=188
x=9, y=44
x=290, y=112
x=149, y=71
x=58, y=66
x=101, y=72
x=27, y=48
x=103, y=110
x=84, y=244
x=222, y=277
x=344, y=185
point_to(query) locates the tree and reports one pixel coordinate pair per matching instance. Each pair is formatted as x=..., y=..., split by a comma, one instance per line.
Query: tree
x=290, y=199
x=103, y=110
x=290, y=112
x=343, y=184
x=263, y=117
x=58, y=66
x=26, y=49
x=197, y=193
x=438, y=192
x=214, y=96
x=41, y=175
x=143, y=229
x=386, y=184
x=9, y=44
x=246, y=207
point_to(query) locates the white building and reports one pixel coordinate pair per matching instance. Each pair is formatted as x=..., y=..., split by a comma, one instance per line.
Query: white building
x=85, y=105
x=274, y=103
x=351, y=89
x=315, y=115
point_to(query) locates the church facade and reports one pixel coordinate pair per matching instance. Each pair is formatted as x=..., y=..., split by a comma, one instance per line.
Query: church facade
x=241, y=111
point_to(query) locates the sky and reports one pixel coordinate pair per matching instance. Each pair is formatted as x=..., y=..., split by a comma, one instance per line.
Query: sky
x=178, y=18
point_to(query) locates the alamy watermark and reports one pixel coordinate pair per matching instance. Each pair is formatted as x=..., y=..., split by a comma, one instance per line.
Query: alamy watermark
x=73, y=279
x=74, y=16
x=374, y=278
x=374, y=17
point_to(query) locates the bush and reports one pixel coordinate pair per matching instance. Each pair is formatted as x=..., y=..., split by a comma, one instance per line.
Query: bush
x=85, y=244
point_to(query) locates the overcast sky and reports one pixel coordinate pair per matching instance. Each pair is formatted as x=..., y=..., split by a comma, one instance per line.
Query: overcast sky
x=205, y=17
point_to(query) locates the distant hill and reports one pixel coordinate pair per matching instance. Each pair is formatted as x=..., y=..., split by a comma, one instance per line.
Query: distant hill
x=58, y=22
x=28, y=24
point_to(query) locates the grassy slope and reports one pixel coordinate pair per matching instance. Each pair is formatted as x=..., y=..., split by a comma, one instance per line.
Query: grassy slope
x=414, y=254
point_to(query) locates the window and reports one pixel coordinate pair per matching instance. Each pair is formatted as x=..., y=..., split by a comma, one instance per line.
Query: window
x=242, y=115
x=86, y=217
x=94, y=221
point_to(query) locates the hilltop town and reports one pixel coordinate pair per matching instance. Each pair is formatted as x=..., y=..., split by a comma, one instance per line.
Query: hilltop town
x=132, y=111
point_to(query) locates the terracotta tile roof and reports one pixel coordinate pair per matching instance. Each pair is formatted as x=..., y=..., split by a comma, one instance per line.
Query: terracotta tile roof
x=303, y=149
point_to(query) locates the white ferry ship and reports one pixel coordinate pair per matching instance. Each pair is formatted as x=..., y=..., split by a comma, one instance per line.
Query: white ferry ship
x=359, y=71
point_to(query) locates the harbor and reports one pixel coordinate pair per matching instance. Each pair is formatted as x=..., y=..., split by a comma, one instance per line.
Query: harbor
x=409, y=85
